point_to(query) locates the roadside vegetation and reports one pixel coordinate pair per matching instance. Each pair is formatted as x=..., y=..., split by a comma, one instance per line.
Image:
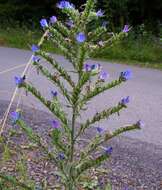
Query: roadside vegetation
x=143, y=49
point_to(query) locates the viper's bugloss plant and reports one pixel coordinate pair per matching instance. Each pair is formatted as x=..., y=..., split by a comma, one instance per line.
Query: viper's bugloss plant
x=77, y=43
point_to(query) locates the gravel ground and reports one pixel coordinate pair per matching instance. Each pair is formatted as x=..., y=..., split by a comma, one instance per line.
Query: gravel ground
x=134, y=165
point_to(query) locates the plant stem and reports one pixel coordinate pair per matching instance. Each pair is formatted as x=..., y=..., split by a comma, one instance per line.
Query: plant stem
x=72, y=134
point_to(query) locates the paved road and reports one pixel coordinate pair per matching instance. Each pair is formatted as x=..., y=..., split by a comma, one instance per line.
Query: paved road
x=145, y=90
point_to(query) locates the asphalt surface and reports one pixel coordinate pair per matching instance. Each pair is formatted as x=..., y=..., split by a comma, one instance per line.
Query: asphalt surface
x=144, y=89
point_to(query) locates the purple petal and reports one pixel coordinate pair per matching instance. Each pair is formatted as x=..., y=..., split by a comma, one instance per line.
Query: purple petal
x=54, y=93
x=15, y=116
x=126, y=75
x=140, y=124
x=100, y=13
x=80, y=37
x=53, y=19
x=70, y=23
x=19, y=80
x=103, y=75
x=55, y=124
x=126, y=29
x=61, y=156
x=34, y=48
x=125, y=101
x=104, y=24
x=87, y=67
x=99, y=129
x=65, y=5
x=43, y=23
x=108, y=150
x=35, y=59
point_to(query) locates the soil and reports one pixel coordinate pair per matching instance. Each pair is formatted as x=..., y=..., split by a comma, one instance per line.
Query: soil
x=134, y=165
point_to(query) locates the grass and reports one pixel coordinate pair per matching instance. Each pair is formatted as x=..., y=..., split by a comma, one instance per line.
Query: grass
x=140, y=51
x=23, y=38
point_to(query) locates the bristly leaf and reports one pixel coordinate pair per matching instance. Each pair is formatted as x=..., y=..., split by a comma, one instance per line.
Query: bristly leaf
x=94, y=144
x=56, y=81
x=56, y=140
x=105, y=114
x=86, y=13
x=98, y=90
x=91, y=163
x=63, y=73
x=59, y=113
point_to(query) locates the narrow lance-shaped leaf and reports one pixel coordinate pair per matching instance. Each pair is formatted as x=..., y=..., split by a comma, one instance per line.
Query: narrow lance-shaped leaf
x=53, y=79
x=66, y=52
x=93, y=145
x=115, y=38
x=91, y=163
x=58, y=113
x=86, y=13
x=62, y=40
x=82, y=53
x=36, y=138
x=96, y=34
x=62, y=29
x=69, y=9
x=105, y=114
x=98, y=90
x=63, y=73
x=77, y=90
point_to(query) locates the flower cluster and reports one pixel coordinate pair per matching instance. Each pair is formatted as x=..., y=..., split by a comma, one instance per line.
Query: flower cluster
x=44, y=23
x=65, y=5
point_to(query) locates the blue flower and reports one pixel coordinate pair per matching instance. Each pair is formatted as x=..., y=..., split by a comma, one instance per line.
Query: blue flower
x=99, y=129
x=140, y=124
x=53, y=19
x=96, y=68
x=54, y=93
x=55, y=124
x=125, y=101
x=104, y=24
x=34, y=48
x=101, y=43
x=19, y=80
x=61, y=156
x=15, y=116
x=35, y=59
x=70, y=23
x=87, y=67
x=103, y=75
x=126, y=29
x=108, y=150
x=43, y=23
x=126, y=75
x=100, y=13
x=65, y=5
x=80, y=37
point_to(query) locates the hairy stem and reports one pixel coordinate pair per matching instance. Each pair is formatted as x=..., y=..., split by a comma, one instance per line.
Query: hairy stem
x=72, y=134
